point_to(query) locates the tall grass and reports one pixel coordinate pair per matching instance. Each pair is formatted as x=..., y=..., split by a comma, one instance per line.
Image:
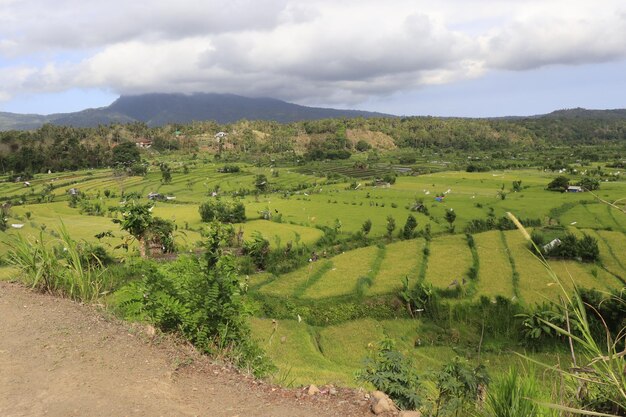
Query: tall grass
x=69, y=275
x=513, y=395
x=598, y=374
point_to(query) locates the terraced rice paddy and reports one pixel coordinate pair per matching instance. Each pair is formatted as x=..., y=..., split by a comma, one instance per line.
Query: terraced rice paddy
x=344, y=274
x=495, y=273
x=401, y=259
x=449, y=261
x=306, y=204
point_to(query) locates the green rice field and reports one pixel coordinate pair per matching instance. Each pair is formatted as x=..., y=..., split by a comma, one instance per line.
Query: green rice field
x=310, y=213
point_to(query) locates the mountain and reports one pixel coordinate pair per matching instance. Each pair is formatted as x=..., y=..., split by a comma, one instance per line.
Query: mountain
x=160, y=109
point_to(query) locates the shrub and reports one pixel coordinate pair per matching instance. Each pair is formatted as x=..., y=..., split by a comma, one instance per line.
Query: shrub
x=362, y=146
x=160, y=233
x=229, y=169
x=477, y=168
x=391, y=226
x=393, y=373
x=420, y=298
x=87, y=207
x=538, y=324
x=458, y=385
x=261, y=183
x=450, y=217
x=166, y=173
x=201, y=300
x=258, y=249
x=91, y=255
x=138, y=169
x=226, y=212
x=4, y=217
x=366, y=227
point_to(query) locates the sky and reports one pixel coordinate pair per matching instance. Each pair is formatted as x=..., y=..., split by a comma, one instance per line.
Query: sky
x=471, y=58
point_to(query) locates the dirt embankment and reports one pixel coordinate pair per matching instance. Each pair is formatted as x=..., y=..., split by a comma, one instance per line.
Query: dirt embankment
x=59, y=358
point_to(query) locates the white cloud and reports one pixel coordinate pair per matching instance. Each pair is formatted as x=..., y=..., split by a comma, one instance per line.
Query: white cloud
x=581, y=35
x=317, y=51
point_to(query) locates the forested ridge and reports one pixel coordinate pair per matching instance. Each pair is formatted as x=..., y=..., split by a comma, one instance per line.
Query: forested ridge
x=57, y=148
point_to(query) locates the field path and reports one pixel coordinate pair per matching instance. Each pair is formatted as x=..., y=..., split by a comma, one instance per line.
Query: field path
x=59, y=358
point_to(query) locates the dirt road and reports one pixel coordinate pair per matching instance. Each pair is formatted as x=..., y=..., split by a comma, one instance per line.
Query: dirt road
x=59, y=358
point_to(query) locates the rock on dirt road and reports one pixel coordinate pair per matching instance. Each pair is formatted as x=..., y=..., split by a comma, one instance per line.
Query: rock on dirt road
x=60, y=358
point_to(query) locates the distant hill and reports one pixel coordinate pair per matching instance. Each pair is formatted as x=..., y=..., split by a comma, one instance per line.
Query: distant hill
x=580, y=113
x=14, y=121
x=160, y=109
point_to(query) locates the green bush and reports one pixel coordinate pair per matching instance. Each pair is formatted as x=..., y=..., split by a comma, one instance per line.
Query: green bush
x=458, y=386
x=362, y=146
x=571, y=247
x=229, y=169
x=258, y=249
x=201, y=300
x=393, y=373
x=4, y=217
x=227, y=212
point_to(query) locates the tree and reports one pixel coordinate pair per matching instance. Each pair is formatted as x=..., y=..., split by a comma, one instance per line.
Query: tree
x=409, y=227
x=517, y=186
x=589, y=184
x=366, y=227
x=4, y=217
x=260, y=183
x=391, y=226
x=166, y=173
x=137, y=221
x=560, y=183
x=450, y=218
x=125, y=154
x=588, y=249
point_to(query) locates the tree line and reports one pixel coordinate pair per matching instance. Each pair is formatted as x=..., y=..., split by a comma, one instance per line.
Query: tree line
x=59, y=148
